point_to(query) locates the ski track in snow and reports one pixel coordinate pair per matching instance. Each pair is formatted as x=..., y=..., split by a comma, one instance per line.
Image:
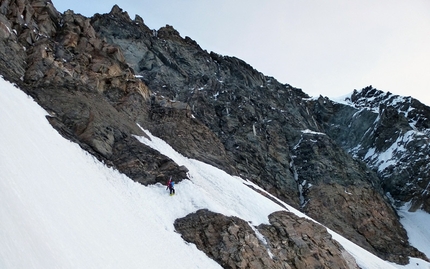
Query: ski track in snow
x=61, y=208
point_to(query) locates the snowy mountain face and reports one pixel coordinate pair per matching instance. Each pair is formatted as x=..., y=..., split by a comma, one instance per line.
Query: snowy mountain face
x=65, y=209
x=391, y=134
x=112, y=85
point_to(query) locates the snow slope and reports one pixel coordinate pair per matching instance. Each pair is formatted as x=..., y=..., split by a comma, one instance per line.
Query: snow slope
x=61, y=208
x=417, y=225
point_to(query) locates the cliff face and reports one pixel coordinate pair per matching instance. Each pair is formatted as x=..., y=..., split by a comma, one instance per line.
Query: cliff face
x=84, y=82
x=100, y=76
x=390, y=134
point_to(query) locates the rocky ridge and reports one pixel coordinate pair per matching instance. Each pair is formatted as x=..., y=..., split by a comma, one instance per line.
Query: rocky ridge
x=91, y=93
x=391, y=135
x=100, y=76
x=289, y=242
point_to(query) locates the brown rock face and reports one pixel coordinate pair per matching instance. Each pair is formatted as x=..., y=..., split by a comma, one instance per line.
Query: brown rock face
x=84, y=83
x=373, y=227
x=288, y=242
x=175, y=123
x=303, y=243
x=346, y=197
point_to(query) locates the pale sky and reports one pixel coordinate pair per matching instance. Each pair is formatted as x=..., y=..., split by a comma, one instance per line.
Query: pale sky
x=325, y=48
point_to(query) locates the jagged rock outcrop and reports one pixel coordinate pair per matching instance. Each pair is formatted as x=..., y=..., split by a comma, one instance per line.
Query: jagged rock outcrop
x=288, y=242
x=388, y=132
x=84, y=83
x=295, y=238
x=100, y=77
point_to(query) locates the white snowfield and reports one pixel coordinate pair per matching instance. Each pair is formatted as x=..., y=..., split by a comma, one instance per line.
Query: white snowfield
x=62, y=208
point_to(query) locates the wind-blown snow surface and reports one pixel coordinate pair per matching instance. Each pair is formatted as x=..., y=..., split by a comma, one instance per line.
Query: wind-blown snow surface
x=61, y=208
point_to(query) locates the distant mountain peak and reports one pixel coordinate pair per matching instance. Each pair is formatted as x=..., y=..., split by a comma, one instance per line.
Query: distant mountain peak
x=417, y=113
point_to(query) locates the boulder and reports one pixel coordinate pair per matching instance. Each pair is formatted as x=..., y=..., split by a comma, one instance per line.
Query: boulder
x=288, y=242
